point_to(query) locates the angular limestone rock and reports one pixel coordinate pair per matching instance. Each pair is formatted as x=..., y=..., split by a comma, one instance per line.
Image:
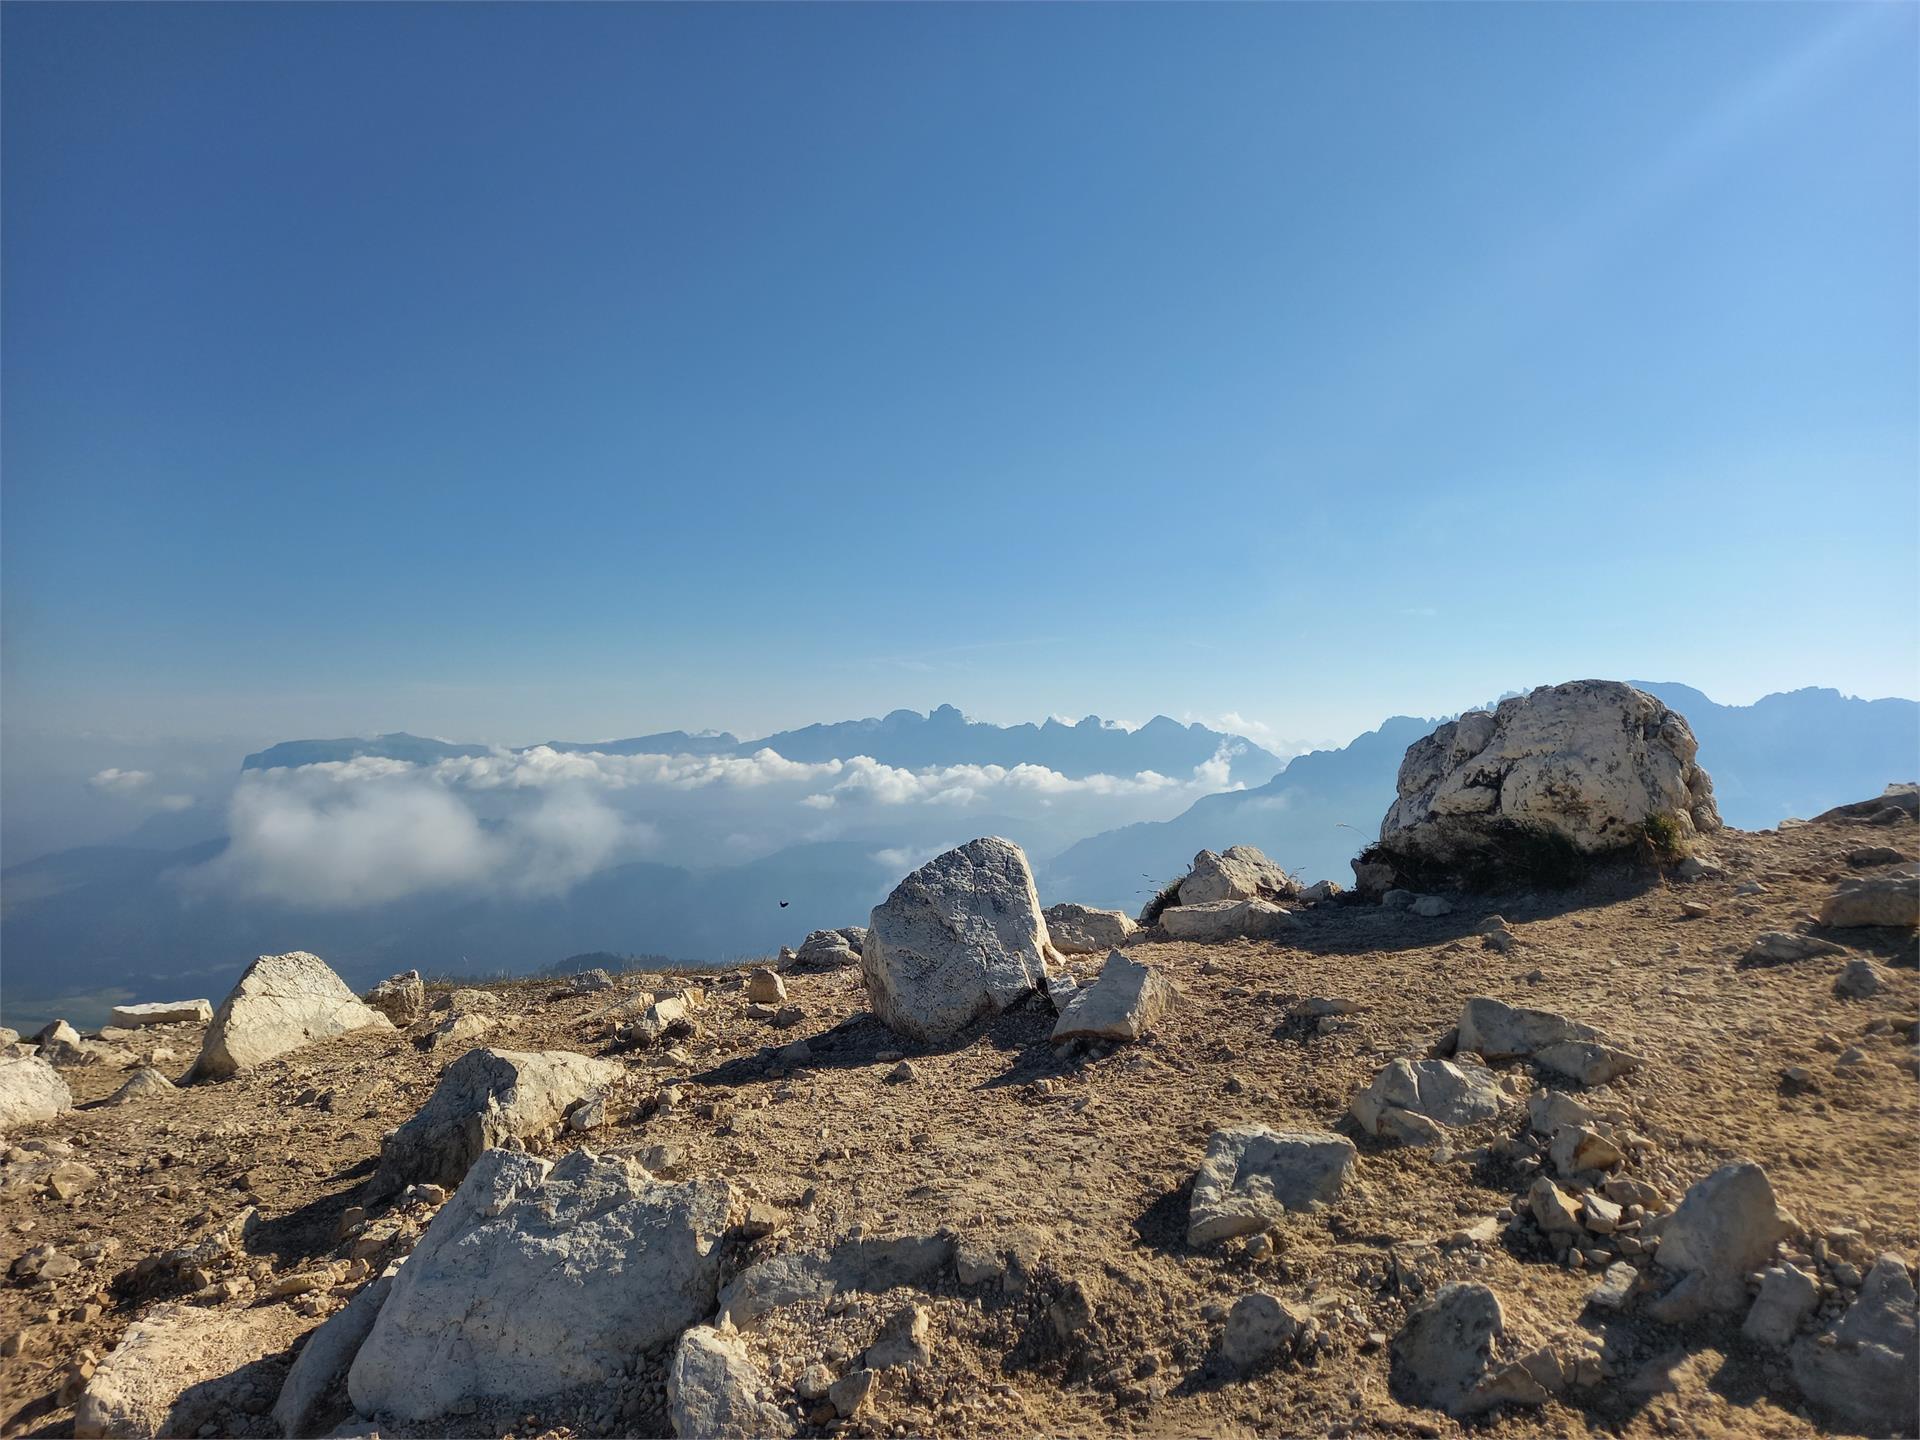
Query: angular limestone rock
x=1239, y=873
x=534, y=1280
x=179, y=1368
x=401, y=998
x=485, y=1098
x=159, y=1012
x=30, y=1090
x=1866, y=1370
x=1581, y=769
x=1123, y=1004
x=143, y=1084
x=1252, y=1177
x=1446, y=1356
x=715, y=1390
x=1083, y=930
x=1412, y=1102
x=1724, y=1229
x=280, y=1004
x=960, y=938
x=1218, y=920
x=1891, y=899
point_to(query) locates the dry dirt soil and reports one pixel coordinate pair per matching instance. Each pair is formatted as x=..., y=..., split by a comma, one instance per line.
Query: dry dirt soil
x=1081, y=1164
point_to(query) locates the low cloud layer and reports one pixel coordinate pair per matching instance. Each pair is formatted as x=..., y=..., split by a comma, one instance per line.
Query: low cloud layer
x=370, y=831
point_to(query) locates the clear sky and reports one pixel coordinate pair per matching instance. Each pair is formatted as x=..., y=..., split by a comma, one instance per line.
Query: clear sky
x=517, y=371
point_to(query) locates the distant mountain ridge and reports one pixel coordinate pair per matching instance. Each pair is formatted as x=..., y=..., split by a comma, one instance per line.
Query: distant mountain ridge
x=903, y=738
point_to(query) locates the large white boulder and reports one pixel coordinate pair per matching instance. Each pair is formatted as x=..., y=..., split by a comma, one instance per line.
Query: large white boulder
x=716, y=1392
x=1724, y=1229
x=1083, y=930
x=1217, y=920
x=959, y=938
x=1866, y=1371
x=1122, y=1004
x=280, y=1004
x=484, y=1099
x=163, y=1012
x=1585, y=766
x=1240, y=872
x=180, y=1368
x=1414, y=1102
x=30, y=1090
x=1252, y=1177
x=534, y=1280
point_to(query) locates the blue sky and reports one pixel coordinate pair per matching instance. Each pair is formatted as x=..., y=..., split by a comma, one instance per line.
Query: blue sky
x=514, y=371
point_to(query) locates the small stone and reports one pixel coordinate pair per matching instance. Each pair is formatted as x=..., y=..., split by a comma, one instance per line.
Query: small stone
x=1260, y=1328
x=901, y=1074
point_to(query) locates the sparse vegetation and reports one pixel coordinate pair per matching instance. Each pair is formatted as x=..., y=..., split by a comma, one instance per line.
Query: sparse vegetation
x=1660, y=838
x=1167, y=894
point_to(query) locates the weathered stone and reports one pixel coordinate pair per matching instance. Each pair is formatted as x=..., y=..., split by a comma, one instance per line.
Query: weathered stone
x=903, y=1340
x=143, y=1084
x=1261, y=1328
x=1123, y=1004
x=1445, y=1357
x=401, y=998
x=456, y=1033
x=1238, y=873
x=1553, y=1209
x=1083, y=930
x=960, y=938
x=870, y=1265
x=1781, y=947
x=57, y=1032
x=485, y=1098
x=1787, y=1296
x=1577, y=1148
x=1227, y=920
x=715, y=1390
x=1892, y=900
x=1585, y=766
x=1724, y=1228
x=1498, y=1031
x=1586, y=1062
x=1551, y=1109
x=533, y=1280
x=1431, y=907
x=1866, y=1370
x=280, y=1004
x=831, y=949
x=326, y=1356
x=179, y=1368
x=764, y=987
x=1252, y=1177
x=1437, y=1092
x=30, y=1090
x=1859, y=981
x=174, y=1012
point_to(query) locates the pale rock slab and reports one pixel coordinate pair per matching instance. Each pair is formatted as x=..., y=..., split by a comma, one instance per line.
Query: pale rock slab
x=1083, y=930
x=485, y=1098
x=533, y=1279
x=401, y=998
x=1122, y=1005
x=280, y=1004
x=715, y=1390
x=143, y=1084
x=1891, y=900
x=1868, y=1370
x=163, y=1012
x=30, y=1090
x=1787, y=1296
x=960, y=938
x=169, y=1375
x=1240, y=872
x=1218, y=920
x=1253, y=1177
x=1413, y=1102
x=1723, y=1229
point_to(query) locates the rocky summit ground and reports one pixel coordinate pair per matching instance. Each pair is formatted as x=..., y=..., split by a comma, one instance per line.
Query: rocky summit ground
x=1080, y=1308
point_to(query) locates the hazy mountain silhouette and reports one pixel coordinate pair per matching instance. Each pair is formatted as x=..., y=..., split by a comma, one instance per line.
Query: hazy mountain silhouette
x=904, y=738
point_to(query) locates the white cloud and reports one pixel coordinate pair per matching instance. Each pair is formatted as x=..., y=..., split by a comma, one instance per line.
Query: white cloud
x=113, y=781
